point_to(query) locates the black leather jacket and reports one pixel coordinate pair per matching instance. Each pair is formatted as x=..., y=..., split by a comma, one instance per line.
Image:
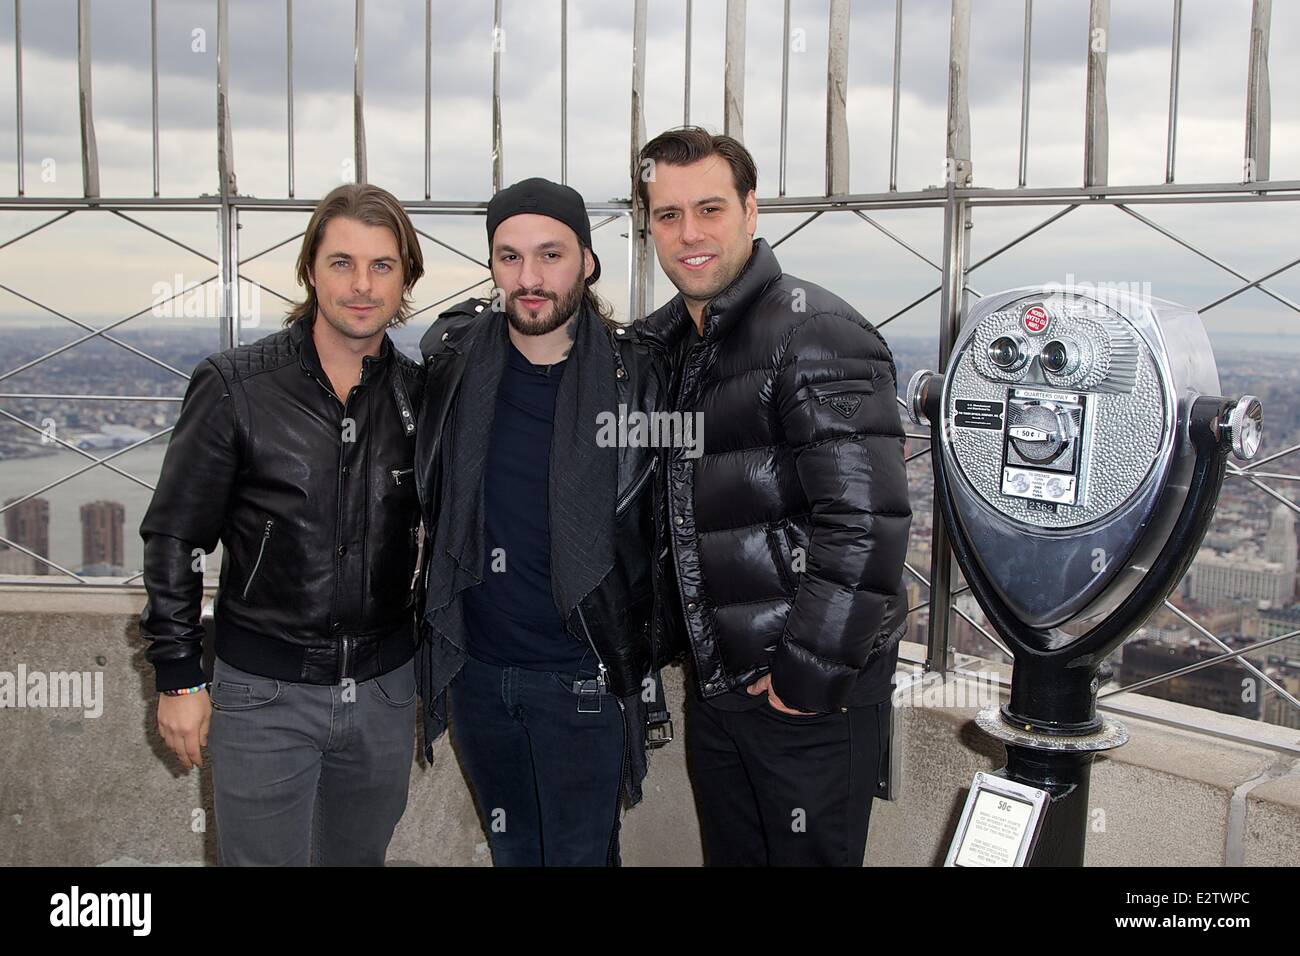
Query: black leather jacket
x=314, y=505
x=790, y=531
x=615, y=617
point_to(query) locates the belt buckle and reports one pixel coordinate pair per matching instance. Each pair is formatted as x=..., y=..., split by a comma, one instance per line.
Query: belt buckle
x=659, y=734
x=589, y=692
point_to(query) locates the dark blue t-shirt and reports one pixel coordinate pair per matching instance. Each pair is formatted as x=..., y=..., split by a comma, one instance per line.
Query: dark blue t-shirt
x=511, y=617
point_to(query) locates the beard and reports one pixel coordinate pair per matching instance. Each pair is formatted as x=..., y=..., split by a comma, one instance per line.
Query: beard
x=563, y=307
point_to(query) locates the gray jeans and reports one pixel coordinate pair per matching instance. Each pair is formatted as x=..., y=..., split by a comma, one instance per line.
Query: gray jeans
x=305, y=773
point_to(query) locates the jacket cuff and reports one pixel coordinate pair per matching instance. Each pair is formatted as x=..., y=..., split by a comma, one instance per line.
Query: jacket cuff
x=805, y=681
x=185, y=672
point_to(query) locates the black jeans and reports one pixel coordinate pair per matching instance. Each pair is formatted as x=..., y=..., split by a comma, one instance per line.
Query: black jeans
x=546, y=776
x=774, y=789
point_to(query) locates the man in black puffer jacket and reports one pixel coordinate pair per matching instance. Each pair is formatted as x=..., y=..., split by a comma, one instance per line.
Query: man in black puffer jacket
x=788, y=534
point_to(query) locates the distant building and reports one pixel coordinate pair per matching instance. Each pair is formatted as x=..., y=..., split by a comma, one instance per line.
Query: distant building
x=1260, y=624
x=1278, y=710
x=1221, y=687
x=1245, y=574
x=27, y=524
x=102, y=550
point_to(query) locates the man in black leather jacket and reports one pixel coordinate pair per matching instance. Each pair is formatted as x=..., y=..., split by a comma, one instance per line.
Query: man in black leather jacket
x=295, y=452
x=540, y=582
x=788, y=534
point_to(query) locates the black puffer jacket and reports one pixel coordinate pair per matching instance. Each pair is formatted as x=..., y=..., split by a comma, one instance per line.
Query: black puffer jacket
x=789, y=533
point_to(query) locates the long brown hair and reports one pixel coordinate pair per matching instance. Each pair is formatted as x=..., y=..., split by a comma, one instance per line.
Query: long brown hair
x=373, y=206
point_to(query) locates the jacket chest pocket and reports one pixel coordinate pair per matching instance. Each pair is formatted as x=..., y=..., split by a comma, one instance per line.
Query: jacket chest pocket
x=843, y=397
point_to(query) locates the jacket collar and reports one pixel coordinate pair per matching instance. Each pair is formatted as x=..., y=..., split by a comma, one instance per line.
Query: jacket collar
x=300, y=336
x=727, y=309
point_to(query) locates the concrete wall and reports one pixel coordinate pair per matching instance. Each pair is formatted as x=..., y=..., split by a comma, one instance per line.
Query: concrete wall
x=81, y=790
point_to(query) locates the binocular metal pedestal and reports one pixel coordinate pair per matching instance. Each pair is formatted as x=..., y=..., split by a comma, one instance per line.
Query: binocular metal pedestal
x=1061, y=765
x=1078, y=446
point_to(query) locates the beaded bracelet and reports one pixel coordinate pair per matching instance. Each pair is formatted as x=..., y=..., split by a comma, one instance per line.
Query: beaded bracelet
x=182, y=691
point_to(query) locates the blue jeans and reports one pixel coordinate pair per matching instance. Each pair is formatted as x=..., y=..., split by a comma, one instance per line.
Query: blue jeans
x=546, y=777
x=307, y=773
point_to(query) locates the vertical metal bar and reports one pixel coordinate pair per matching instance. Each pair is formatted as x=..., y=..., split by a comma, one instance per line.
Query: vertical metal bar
x=686, y=84
x=956, y=249
x=1096, y=130
x=428, y=98
x=958, y=167
x=837, y=84
x=89, y=151
x=1024, y=91
x=18, y=86
x=226, y=221
x=1258, y=109
x=358, y=92
x=639, y=274
x=893, y=123
x=733, y=72
x=288, y=83
x=632, y=303
x=785, y=96
x=225, y=146
x=564, y=91
x=153, y=74
x=497, y=40
x=955, y=253
x=1175, y=51
x=236, y=320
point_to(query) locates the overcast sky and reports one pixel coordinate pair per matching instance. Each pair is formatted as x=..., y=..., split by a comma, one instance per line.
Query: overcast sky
x=97, y=266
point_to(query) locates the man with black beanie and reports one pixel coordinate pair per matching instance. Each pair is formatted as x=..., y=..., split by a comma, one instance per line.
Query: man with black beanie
x=540, y=593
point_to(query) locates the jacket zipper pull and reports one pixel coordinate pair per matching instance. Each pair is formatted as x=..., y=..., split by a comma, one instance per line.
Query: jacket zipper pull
x=266, y=536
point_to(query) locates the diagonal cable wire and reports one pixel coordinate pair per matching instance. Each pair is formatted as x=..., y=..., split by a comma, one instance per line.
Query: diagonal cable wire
x=1282, y=691
x=434, y=305
x=162, y=235
x=102, y=332
x=1249, y=285
x=1199, y=665
x=449, y=247
x=969, y=620
x=282, y=242
x=49, y=222
x=920, y=255
x=54, y=484
x=80, y=451
x=41, y=558
x=1204, y=255
x=815, y=215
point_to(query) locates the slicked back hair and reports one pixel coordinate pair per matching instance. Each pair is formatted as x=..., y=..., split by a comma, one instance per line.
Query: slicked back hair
x=689, y=144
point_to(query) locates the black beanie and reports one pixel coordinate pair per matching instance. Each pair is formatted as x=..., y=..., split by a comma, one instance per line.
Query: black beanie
x=543, y=198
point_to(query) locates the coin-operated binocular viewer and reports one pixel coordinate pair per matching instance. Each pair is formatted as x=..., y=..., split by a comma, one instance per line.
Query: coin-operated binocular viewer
x=1078, y=443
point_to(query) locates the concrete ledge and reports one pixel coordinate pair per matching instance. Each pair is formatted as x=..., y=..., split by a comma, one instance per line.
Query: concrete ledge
x=87, y=790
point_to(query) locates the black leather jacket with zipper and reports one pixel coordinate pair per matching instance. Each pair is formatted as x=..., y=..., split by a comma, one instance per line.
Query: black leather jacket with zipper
x=615, y=617
x=314, y=504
